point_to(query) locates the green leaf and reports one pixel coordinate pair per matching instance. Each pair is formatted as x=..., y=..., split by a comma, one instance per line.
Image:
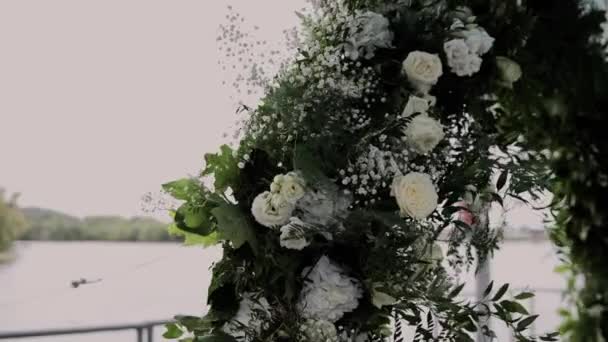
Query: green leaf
x=234, y=226
x=501, y=292
x=496, y=198
x=524, y=295
x=191, y=239
x=461, y=225
x=524, y=323
x=502, y=180
x=488, y=289
x=456, y=291
x=182, y=189
x=173, y=331
x=512, y=306
x=194, y=219
x=451, y=210
x=224, y=167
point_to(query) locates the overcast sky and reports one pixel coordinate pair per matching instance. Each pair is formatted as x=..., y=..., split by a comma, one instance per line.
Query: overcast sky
x=102, y=101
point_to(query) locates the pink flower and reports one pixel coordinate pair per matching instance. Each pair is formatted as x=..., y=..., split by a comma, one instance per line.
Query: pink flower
x=465, y=215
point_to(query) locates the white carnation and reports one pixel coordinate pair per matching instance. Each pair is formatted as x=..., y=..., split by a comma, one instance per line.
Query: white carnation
x=293, y=235
x=328, y=292
x=424, y=133
x=422, y=70
x=251, y=315
x=291, y=186
x=462, y=61
x=368, y=31
x=319, y=331
x=415, y=194
x=416, y=105
x=271, y=210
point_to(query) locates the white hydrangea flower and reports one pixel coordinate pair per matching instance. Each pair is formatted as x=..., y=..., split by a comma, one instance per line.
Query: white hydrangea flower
x=323, y=207
x=367, y=31
x=251, y=314
x=423, y=134
x=290, y=186
x=293, y=235
x=460, y=58
x=319, y=331
x=478, y=40
x=271, y=210
x=422, y=70
x=328, y=292
x=415, y=194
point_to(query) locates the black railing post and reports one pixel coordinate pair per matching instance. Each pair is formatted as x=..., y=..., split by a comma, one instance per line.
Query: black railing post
x=150, y=333
x=140, y=337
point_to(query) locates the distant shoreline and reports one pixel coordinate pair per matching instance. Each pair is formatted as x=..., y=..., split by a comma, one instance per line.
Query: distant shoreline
x=7, y=256
x=109, y=241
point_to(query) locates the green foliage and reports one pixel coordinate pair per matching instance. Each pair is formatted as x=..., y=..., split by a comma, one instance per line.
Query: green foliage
x=12, y=222
x=44, y=224
x=233, y=226
x=224, y=168
x=559, y=111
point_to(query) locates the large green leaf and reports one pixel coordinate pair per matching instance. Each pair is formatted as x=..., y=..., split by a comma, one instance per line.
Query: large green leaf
x=192, y=239
x=234, y=226
x=182, y=189
x=173, y=331
x=224, y=168
x=197, y=220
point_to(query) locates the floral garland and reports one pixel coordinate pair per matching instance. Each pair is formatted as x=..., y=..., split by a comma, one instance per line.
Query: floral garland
x=353, y=196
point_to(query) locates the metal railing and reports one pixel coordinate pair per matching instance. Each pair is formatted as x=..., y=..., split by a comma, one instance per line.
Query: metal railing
x=143, y=329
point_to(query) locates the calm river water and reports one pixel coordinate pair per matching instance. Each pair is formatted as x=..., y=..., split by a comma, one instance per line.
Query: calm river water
x=154, y=281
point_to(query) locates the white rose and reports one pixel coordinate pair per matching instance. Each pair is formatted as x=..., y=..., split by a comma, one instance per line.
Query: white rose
x=422, y=70
x=328, y=293
x=423, y=134
x=248, y=315
x=293, y=235
x=292, y=187
x=271, y=210
x=509, y=71
x=415, y=194
x=478, y=40
x=415, y=105
x=460, y=58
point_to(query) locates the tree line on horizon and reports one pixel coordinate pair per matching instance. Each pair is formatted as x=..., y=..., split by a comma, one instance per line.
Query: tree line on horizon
x=49, y=225
x=12, y=221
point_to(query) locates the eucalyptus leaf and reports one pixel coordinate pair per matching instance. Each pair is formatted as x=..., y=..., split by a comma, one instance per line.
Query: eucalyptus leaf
x=501, y=292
